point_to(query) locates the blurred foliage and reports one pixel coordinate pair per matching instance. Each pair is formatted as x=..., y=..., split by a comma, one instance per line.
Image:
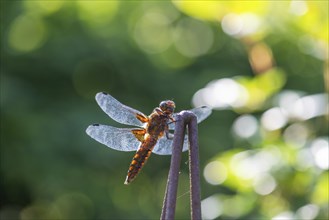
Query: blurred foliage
x=262, y=66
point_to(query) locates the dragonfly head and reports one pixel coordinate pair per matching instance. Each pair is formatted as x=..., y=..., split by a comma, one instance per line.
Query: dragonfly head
x=167, y=107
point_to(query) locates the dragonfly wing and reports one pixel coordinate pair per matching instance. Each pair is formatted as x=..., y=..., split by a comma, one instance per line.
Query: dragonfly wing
x=164, y=146
x=118, y=111
x=201, y=113
x=121, y=139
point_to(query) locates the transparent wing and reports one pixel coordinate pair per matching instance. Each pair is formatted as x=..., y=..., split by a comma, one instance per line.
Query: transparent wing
x=121, y=139
x=118, y=111
x=201, y=113
x=164, y=146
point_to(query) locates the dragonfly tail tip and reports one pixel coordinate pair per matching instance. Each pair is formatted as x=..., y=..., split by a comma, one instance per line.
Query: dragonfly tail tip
x=126, y=182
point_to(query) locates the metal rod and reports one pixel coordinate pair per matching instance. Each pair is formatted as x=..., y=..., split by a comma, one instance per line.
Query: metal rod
x=195, y=199
x=168, y=211
x=171, y=193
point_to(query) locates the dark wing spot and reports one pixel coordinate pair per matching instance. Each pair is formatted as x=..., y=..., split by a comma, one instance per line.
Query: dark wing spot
x=104, y=93
x=95, y=124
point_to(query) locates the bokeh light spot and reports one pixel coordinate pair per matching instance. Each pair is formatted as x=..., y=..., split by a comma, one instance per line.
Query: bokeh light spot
x=287, y=215
x=264, y=184
x=310, y=106
x=298, y=7
x=240, y=25
x=273, y=119
x=296, y=134
x=313, y=46
x=232, y=24
x=173, y=59
x=43, y=7
x=236, y=206
x=215, y=173
x=193, y=38
x=286, y=100
x=307, y=212
x=152, y=33
x=243, y=166
x=320, y=150
x=221, y=94
x=211, y=207
x=304, y=159
x=97, y=13
x=245, y=126
x=261, y=59
x=26, y=33
x=249, y=166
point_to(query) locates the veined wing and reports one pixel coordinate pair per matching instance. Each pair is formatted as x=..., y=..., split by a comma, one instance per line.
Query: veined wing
x=121, y=139
x=118, y=111
x=201, y=113
x=164, y=146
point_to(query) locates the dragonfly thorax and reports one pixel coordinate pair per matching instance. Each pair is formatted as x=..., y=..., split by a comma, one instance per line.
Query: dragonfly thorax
x=157, y=124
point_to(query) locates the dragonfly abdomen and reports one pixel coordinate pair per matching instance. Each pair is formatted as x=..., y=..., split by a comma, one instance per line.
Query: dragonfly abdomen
x=140, y=158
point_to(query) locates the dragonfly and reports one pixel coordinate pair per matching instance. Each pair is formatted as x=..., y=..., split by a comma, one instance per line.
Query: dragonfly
x=151, y=135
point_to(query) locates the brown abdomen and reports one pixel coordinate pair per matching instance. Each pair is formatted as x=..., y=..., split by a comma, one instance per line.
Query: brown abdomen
x=140, y=158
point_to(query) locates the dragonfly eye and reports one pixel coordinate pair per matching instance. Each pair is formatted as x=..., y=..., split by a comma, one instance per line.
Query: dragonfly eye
x=167, y=106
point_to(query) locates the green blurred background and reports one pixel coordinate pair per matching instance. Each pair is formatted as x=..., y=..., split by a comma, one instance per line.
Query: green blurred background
x=261, y=65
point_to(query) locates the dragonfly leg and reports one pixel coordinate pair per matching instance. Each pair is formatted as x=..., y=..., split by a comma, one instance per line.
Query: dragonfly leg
x=172, y=120
x=139, y=134
x=169, y=135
